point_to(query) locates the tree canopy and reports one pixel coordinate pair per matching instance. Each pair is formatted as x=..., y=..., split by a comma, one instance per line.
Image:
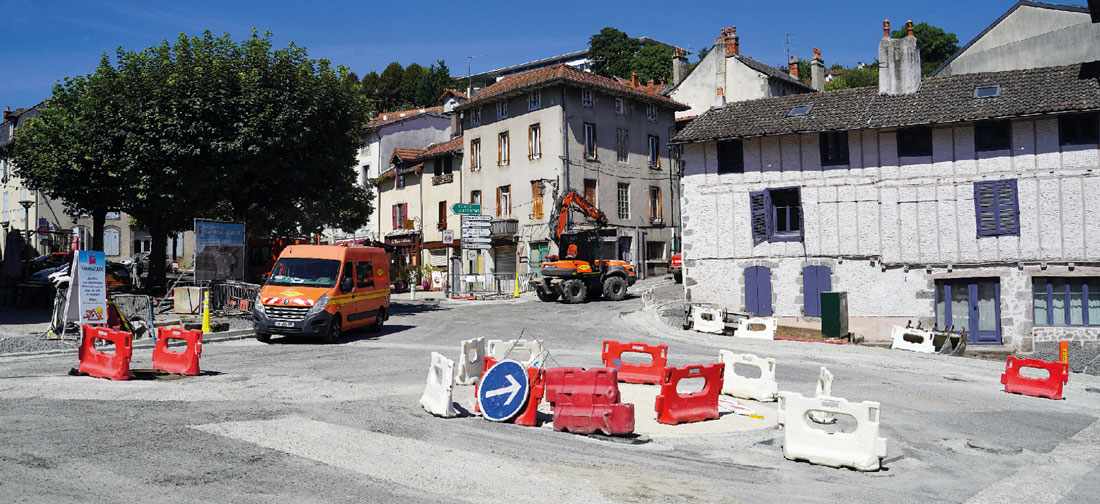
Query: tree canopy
x=407, y=87
x=616, y=54
x=935, y=45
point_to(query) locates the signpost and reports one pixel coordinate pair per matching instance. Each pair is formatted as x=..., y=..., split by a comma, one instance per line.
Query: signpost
x=476, y=246
x=503, y=391
x=466, y=208
x=43, y=231
x=475, y=232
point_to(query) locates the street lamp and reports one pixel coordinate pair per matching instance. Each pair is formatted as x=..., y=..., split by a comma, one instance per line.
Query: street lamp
x=27, y=217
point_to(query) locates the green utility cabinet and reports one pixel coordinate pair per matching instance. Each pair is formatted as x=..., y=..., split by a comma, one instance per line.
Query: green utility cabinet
x=834, y=314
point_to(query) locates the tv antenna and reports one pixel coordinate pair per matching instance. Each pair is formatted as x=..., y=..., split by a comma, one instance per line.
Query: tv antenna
x=469, y=74
x=788, y=60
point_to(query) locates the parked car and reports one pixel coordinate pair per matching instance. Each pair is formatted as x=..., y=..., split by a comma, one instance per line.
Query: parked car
x=51, y=261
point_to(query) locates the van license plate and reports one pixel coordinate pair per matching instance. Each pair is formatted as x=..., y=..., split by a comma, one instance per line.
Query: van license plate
x=284, y=324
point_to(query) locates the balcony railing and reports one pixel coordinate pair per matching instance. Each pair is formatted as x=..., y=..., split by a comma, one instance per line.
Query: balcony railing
x=504, y=227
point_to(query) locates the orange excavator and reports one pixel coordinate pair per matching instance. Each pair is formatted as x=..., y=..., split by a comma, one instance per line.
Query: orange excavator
x=579, y=273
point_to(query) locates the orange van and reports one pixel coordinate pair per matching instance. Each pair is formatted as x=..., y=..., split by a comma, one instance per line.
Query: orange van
x=321, y=290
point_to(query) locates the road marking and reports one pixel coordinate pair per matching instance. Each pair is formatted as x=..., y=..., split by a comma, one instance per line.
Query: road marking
x=1052, y=476
x=512, y=389
x=416, y=465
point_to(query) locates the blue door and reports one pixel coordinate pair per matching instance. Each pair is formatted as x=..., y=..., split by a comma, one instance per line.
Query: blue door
x=815, y=280
x=758, y=291
x=972, y=305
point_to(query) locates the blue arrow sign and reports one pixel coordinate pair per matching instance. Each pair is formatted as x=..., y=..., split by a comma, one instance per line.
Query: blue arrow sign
x=503, y=391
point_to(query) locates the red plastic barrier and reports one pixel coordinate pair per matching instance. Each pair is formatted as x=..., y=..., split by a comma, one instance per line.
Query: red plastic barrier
x=185, y=362
x=488, y=363
x=599, y=382
x=636, y=373
x=673, y=407
x=113, y=366
x=1050, y=387
x=536, y=380
x=585, y=418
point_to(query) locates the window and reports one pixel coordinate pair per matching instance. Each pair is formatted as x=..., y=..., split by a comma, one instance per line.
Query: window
x=620, y=106
x=475, y=197
x=400, y=215
x=534, y=142
x=441, y=224
x=992, y=135
x=502, y=109
x=996, y=209
x=502, y=149
x=1073, y=301
x=656, y=213
x=366, y=175
x=987, y=92
x=588, y=98
x=622, y=144
x=589, y=141
x=437, y=165
x=5, y=170
x=399, y=178
x=113, y=215
x=624, y=201
x=448, y=165
x=475, y=117
x=1078, y=129
x=504, y=201
x=110, y=241
x=731, y=157
x=536, y=200
x=654, y=151
x=800, y=111
x=590, y=190
x=834, y=148
x=776, y=214
x=534, y=100
x=475, y=154
x=915, y=141
x=651, y=112
x=364, y=274
x=655, y=251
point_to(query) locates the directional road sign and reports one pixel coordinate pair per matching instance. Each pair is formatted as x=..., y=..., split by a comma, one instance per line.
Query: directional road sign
x=466, y=208
x=503, y=391
x=476, y=224
x=468, y=232
x=474, y=218
x=475, y=246
x=475, y=239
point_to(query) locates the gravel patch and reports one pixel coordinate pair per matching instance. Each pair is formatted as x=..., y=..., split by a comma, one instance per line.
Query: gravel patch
x=1080, y=356
x=20, y=344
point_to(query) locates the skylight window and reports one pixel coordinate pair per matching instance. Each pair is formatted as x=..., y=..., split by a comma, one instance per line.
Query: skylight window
x=800, y=111
x=987, y=92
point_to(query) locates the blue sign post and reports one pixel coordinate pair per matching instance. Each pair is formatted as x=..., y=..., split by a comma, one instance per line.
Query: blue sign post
x=503, y=391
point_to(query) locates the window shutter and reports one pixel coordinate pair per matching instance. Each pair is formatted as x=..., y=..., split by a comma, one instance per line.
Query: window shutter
x=395, y=217
x=985, y=208
x=498, y=202
x=1008, y=214
x=761, y=217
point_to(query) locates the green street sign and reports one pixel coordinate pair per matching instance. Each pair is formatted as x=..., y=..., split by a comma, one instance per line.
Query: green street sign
x=466, y=209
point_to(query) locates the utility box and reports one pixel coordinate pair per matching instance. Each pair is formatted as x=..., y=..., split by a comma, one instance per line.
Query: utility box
x=834, y=314
x=187, y=300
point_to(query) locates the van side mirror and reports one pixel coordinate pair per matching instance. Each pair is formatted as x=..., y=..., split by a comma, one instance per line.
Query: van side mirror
x=347, y=284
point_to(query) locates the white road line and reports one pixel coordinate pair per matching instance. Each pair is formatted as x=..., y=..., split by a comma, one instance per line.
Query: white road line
x=416, y=465
x=1052, y=476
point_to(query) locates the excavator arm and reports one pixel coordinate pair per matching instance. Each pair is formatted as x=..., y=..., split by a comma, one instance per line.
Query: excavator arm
x=567, y=202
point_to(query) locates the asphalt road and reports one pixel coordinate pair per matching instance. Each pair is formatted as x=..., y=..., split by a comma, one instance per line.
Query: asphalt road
x=298, y=422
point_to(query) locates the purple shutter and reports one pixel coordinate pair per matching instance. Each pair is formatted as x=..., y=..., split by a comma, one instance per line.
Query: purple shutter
x=1008, y=208
x=758, y=291
x=761, y=216
x=815, y=280
x=985, y=208
x=752, y=305
x=996, y=208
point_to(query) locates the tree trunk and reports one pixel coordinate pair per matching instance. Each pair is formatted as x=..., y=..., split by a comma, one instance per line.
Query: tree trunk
x=159, y=245
x=99, y=219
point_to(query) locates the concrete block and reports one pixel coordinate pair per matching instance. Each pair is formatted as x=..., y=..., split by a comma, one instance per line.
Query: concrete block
x=757, y=328
x=437, y=393
x=861, y=449
x=471, y=361
x=708, y=320
x=914, y=340
x=763, y=388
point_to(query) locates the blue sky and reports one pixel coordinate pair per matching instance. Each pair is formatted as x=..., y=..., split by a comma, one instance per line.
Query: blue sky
x=47, y=40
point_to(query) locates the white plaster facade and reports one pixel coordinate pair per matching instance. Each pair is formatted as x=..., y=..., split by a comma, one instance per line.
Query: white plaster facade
x=889, y=228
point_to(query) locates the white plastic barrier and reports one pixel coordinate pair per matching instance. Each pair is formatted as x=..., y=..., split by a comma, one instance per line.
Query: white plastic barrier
x=824, y=389
x=914, y=340
x=764, y=388
x=861, y=449
x=756, y=328
x=708, y=320
x=437, y=393
x=470, y=362
x=528, y=353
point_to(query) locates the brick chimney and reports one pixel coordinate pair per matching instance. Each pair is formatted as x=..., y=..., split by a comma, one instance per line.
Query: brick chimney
x=679, y=65
x=634, y=79
x=817, y=71
x=7, y=113
x=792, y=67
x=899, y=62
x=730, y=41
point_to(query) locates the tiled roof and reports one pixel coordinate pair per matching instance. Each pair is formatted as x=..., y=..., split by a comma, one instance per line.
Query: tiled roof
x=940, y=100
x=384, y=118
x=403, y=154
x=771, y=72
x=456, y=93
x=416, y=168
x=542, y=77
x=438, y=149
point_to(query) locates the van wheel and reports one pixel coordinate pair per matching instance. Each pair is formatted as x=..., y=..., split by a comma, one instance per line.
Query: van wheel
x=333, y=330
x=614, y=288
x=379, y=320
x=573, y=291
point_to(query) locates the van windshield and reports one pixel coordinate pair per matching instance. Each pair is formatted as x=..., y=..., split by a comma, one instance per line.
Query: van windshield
x=305, y=272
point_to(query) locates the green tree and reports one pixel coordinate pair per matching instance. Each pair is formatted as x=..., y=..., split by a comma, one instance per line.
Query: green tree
x=433, y=84
x=653, y=62
x=854, y=78
x=935, y=45
x=409, y=82
x=389, y=86
x=71, y=151
x=612, y=52
x=370, y=84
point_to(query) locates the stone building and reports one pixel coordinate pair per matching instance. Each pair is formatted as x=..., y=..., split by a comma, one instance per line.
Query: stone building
x=964, y=201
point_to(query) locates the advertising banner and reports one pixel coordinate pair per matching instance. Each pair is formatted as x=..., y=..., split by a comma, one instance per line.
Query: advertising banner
x=87, y=298
x=219, y=251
